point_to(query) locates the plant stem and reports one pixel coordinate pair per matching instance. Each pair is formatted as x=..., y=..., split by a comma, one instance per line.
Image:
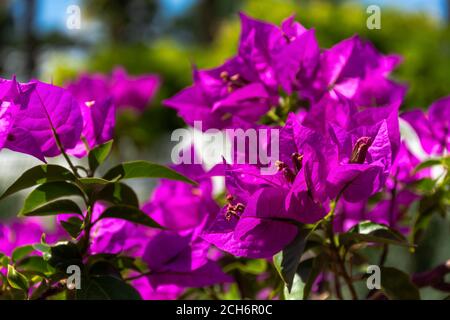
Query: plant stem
x=335, y=249
x=337, y=285
x=63, y=152
x=87, y=229
x=383, y=256
x=346, y=276
x=138, y=276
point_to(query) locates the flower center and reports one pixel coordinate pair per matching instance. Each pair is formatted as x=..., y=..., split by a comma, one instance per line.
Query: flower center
x=233, y=210
x=360, y=149
x=288, y=173
x=89, y=103
x=233, y=82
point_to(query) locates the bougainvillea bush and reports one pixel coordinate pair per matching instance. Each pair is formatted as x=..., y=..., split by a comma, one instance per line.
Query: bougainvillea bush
x=353, y=177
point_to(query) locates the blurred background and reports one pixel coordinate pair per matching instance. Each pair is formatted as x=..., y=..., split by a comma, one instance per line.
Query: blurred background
x=168, y=36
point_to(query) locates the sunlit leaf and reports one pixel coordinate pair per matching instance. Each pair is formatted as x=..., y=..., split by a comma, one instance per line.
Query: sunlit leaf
x=131, y=214
x=99, y=154
x=37, y=176
x=144, y=169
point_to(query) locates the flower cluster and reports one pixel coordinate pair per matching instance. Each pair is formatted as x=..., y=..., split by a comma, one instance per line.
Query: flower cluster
x=340, y=143
x=45, y=120
x=30, y=112
x=346, y=162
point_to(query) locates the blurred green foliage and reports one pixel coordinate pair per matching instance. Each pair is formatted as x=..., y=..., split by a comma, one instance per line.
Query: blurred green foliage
x=422, y=41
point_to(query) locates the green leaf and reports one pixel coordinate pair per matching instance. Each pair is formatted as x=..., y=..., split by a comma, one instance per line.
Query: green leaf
x=297, y=289
x=316, y=269
x=446, y=161
x=144, y=169
x=64, y=255
x=54, y=208
x=4, y=260
x=255, y=266
x=91, y=186
x=368, y=231
x=106, y=288
x=104, y=268
x=286, y=261
x=428, y=205
x=304, y=278
x=35, y=264
x=42, y=247
x=37, y=176
x=21, y=252
x=94, y=181
x=397, y=285
x=99, y=154
x=429, y=163
x=16, y=279
x=119, y=194
x=48, y=192
x=73, y=226
x=425, y=185
x=130, y=214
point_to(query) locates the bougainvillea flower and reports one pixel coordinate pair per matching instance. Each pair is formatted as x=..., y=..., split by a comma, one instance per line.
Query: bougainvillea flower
x=278, y=53
x=402, y=170
x=115, y=235
x=135, y=92
x=388, y=212
x=345, y=114
x=296, y=64
x=14, y=97
x=285, y=56
x=17, y=234
x=257, y=43
x=25, y=232
x=433, y=129
x=45, y=109
x=365, y=159
x=246, y=86
x=252, y=229
x=98, y=111
x=349, y=214
x=219, y=96
x=376, y=90
x=184, y=262
x=162, y=292
x=259, y=219
x=178, y=205
x=127, y=91
x=7, y=111
x=391, y=211
x=16, y=93
x=354, y=69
